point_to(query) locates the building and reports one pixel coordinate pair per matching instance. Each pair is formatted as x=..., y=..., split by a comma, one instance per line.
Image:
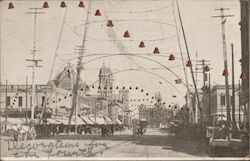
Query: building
x=105, y=81
x=17, y=98
x=194, y=112
x=218, y=103
x=57, y=97
x=245, y=45
x=159, y=113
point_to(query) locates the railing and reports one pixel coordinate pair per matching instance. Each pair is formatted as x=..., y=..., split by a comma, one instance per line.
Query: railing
x=23, y=87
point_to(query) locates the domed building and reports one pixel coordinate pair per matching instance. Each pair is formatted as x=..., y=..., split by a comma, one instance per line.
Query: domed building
x=66, y=79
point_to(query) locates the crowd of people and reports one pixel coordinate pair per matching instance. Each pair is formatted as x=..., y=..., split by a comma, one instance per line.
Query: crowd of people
x=100, y=129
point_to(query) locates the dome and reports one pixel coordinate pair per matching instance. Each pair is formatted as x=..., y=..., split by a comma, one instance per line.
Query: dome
x=67, y=78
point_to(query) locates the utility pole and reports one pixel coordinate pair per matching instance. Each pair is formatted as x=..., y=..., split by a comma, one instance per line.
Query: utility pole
x=186, y=45
x=233, y=93
x=183, y=62
x=223, y=21
x=196, y=67
x=209, y=98
x=6, y=105
x=239, y=105
x=79, y=68
x=204, y=69
x=34, y=60
x=26, y=101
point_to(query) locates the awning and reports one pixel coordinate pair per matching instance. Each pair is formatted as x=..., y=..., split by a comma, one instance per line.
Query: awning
x=98, y=120
x=118, y=121
x=52, y=121
x=107, y=119
x=64, y=121
x=78, y=121
x=13, y=120
x=87, y=120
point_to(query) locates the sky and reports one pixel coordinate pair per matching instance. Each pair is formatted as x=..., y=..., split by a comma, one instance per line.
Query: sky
x=60, y=30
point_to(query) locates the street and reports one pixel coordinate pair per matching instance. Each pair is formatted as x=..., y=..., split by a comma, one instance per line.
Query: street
x=122, y=144
x=124, y=79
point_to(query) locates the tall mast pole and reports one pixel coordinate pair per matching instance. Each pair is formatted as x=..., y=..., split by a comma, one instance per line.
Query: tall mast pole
x=192, y=73
x=196, y=67
x=223, y=21
x=182, y=58
x=26, y=100
x=209, y=98
x=33, y=70
x=239, y=105
x=233, y=91
x=34, y=60
x=79, y=69
x=6, y=106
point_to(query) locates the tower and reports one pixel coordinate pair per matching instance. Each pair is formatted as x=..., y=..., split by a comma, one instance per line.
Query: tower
x=124, y=96
x=105, y=81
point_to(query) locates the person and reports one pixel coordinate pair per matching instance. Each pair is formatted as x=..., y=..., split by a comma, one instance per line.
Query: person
x=106, y=130
x=112, y=129
x=57, y=129
x=102, y=130
x=222, y=132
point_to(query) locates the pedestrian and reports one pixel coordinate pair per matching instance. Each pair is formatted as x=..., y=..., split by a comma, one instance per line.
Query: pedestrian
x=112, y=129
x=57, y=129
x=102, y=130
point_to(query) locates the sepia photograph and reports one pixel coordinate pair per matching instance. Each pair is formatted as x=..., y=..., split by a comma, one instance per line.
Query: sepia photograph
x=124, y=79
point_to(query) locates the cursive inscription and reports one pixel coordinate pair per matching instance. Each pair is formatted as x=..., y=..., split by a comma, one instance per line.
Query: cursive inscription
x=58, y=148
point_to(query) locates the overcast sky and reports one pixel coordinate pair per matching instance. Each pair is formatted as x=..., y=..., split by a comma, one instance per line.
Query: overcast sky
x=148, y=21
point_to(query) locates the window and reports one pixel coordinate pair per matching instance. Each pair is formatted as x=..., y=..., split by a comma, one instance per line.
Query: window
x=43, y=99
x=8, y=101
x=223, y=100
x=20, y=101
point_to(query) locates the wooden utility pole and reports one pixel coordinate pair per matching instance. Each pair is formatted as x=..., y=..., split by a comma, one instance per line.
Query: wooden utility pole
x=209, y=98
x=186, y=45
x=26, y=101
x=34, y=60
x=203, y=64
x=204, y=105
x=79, y=69
x=223, y=21
x=239, y=105
x=183, y=62
x=233, y=92
x=6, y=105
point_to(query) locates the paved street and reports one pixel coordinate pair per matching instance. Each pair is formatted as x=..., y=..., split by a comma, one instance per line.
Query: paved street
x=153, y=144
